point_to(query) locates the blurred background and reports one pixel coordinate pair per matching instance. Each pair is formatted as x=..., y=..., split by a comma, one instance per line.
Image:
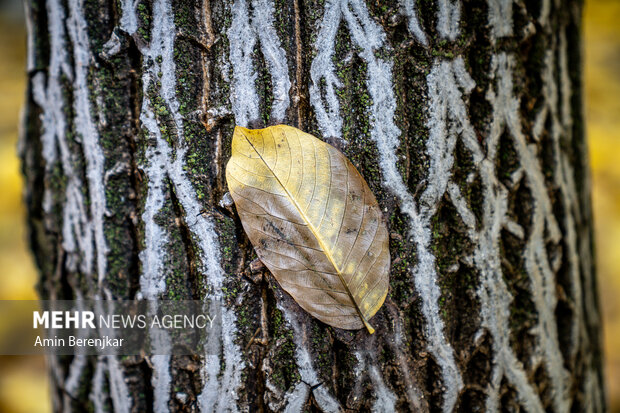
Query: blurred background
x=23, y=383
x=602, y=87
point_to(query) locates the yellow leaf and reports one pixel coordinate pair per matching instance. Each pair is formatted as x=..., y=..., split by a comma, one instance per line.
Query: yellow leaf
x=313, y=222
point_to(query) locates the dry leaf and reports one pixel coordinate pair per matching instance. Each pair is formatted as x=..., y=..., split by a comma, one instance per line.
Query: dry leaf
x=313, y=222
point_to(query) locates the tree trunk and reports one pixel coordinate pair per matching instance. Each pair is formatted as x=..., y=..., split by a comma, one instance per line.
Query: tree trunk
x=466, y=121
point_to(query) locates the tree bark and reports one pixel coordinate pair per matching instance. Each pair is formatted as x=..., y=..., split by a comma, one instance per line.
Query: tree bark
x=466, y=121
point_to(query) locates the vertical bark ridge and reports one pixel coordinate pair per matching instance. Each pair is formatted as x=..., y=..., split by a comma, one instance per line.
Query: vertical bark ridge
x=83, y=226
x=98, y=397
x=536, y=262
x=244, y=33
x=326, y=401
x=494, y=294
x=324, y=82
x=158, y=58
x=369, y=37
x=385, y=399
x=46, y=111
x=397, y=343
x=299, y=100
x=413, y=23
x=244, y=102
x=448, y=16
x=554, y=123
x=87, y=131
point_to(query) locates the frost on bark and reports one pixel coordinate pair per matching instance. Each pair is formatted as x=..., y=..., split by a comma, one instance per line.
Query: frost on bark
x=466, y=120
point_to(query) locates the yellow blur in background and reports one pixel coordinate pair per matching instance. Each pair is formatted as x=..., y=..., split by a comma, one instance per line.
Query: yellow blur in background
x=602, y=77
x=23, y=383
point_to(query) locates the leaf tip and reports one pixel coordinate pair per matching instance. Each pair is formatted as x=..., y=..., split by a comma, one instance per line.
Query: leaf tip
x=368, y=326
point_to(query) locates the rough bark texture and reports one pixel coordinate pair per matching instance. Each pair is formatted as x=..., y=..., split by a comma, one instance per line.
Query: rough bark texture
x=465, y=119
